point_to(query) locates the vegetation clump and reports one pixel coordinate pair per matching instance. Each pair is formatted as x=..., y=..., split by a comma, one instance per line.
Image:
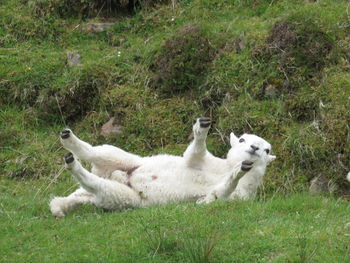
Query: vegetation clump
x=81, y=8
x=297, y=49
x=183, y=60
x=302, y=44
x=76, y=98
x=87, y=8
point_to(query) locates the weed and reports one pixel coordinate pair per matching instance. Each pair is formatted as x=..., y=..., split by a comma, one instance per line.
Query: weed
x=303, y=249
x=199, y=250
x=158, y=239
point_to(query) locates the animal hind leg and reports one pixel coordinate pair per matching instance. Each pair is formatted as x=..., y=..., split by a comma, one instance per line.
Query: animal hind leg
x=109, y=194
x=196, y=151
x=60, y=206
x=104, y=157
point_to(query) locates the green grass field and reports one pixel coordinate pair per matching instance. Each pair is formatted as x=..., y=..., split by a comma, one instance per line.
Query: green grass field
x=295, y=228
x=275, y=68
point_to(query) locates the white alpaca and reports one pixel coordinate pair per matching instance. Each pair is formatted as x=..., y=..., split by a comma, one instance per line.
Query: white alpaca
x=120, y=180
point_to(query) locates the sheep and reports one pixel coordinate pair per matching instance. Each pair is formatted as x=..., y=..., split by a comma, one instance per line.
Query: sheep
x=122, y=180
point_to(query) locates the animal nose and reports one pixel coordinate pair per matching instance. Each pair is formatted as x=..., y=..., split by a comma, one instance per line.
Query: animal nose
x=254, y=148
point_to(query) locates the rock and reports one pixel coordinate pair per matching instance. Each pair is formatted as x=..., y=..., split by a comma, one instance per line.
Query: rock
x=110, y=128
x=271, y=91
x=73, y=59
x=96, y=27
x=320, y=185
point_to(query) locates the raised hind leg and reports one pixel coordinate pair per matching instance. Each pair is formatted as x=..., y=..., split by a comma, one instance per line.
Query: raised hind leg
x=105, y=158
x=108, y=194
x=197, y=150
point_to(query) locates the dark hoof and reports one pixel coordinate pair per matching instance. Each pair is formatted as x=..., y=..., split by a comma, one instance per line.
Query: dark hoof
x=65, y=134
x=68, y=158
x=204, y=122
x=246, y=166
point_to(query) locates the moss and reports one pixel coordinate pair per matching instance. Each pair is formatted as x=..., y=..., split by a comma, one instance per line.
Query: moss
x=183, y=60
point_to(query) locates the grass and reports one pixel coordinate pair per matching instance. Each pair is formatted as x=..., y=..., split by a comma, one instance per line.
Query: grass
x=297, y=102
x=245, y=88
x=294, y=228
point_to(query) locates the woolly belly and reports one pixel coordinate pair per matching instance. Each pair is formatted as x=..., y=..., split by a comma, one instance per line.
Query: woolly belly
x=164, y=193
x=160, y=188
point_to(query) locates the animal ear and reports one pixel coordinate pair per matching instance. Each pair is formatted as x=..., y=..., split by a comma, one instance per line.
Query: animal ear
x=270, y=158
x=233, y=139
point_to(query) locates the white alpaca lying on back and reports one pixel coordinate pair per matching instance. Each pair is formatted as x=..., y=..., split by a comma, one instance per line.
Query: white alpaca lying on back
x=120, y=180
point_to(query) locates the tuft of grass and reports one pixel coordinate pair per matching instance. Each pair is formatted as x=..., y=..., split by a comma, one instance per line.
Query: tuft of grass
x=197, y=249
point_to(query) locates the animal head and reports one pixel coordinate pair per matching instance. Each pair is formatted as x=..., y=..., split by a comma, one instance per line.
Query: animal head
x=250, y=147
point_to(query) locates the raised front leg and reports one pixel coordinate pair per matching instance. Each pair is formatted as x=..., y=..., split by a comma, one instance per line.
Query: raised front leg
x=196, y=151
x=224, y=189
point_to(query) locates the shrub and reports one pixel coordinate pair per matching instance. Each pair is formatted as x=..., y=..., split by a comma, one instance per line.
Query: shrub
x=182, y=61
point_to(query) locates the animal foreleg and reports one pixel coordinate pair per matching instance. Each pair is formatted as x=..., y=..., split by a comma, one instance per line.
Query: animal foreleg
x=196, y=151
x=224, y=189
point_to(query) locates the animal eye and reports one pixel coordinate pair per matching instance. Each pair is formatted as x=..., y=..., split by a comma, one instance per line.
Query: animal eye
x=241, y=140
x=267, y=151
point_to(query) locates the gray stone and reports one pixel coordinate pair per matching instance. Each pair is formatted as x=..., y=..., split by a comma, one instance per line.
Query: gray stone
x=73, y=59
x=110, y=128
x=95, y=27
x=321, y=185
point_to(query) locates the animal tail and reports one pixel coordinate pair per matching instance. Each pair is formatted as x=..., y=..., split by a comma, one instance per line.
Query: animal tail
x=348, y=177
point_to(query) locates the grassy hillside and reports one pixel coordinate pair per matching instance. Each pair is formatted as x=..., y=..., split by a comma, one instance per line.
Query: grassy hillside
x=278, y=69
x=275, y=68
